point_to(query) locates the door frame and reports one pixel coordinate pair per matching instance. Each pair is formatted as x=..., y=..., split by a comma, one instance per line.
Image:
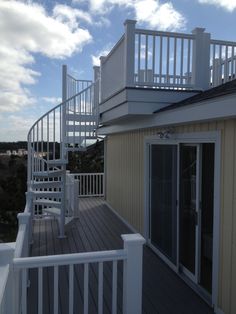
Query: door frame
x=189, y=138
x=194, y=277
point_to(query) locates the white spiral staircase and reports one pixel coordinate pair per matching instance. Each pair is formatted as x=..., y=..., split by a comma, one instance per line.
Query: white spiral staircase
x=70, y=126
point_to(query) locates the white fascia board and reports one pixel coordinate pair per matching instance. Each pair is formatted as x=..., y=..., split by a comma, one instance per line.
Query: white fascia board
x=158, y=95
x=114, y=101
x=213, y=109
x=145, y=96
x=129, y=109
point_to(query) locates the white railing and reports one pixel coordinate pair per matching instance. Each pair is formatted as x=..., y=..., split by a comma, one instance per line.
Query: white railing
x=10, y=283
x=131, y=256
x=166, y=60
x=112, y=70
x=90, y=184
x=75, y=86
x=223, y=62
x=163, y=59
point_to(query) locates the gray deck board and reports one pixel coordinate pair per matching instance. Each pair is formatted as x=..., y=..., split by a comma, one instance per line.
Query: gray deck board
x=98, y=228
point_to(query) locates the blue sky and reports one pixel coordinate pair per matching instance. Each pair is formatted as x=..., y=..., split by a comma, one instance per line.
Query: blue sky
x=37, y=37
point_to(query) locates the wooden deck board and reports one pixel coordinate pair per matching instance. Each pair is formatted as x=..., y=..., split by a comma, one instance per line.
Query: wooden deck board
x=98, y=228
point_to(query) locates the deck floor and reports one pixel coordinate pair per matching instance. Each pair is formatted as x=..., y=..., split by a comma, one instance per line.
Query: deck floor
x=98, y=228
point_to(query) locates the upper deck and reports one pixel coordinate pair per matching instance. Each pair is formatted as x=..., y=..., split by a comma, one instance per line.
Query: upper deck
x=147, y=70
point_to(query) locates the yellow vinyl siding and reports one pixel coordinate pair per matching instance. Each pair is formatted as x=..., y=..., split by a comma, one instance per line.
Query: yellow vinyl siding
x=125, y=192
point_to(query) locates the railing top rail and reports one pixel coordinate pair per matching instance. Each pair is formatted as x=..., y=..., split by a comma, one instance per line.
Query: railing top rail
x=223, y=42
x=119, y=42
x=163, y=34
x=58, y=106
x=78, y=80
x=68, y=259
x=86, y=173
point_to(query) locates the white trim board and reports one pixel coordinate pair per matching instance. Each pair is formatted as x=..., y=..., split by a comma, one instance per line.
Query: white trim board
x=213, y=109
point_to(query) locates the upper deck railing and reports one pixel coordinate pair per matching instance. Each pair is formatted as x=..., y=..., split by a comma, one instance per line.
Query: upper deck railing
x=166, y=60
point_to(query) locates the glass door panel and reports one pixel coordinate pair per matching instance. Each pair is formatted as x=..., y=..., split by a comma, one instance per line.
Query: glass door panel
x=187, y=210
x=207, y=192
x=163, y=195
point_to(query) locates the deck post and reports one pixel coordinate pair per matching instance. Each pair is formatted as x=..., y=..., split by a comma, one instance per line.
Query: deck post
x=201, y=59
x=129, y=53
x=102, y=88
x=63, y=152
x=133, y=273
x=97, y=92
x=24, y=219
x=7, y=286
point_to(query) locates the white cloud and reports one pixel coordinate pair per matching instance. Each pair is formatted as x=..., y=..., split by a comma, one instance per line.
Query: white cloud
x=153, y=13
x=156, y=15
x=70, y=16
x=104, y=52
x=15, y=127
x=52, y=100
x=27, y=29
x=229, y=5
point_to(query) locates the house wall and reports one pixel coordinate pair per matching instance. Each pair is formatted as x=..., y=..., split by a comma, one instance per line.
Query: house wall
x=125, y=192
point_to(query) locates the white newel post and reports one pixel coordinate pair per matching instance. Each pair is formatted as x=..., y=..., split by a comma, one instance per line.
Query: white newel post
x=29, y=201
x=7, y=287
x=102, y=86
x=97, y=92
x=24, y=219
x=129, y=53
x=76, y=198
x=133, y=272
x=63, y=152
x=201, y=59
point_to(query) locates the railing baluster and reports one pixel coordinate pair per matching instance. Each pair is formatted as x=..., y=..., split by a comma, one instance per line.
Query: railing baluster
x=71, y=289
x=139, y=56
x=86, y=278
x=168, y=60
x=40, y=290
x=24, y=291
x=182, y=61
x=114, y=287
x=54, y=135
x=153, y=56
x=55, y=290
x=48, y=137
x=226, y=67
x=188, y=62
x=146, y=59
x=100, y=288
x=160, y=60
x=174, y=70
x=232, y=62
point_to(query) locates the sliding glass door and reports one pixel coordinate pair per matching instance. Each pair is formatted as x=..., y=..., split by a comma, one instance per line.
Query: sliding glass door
x=181, y=207
x=189, y=198
x=163, y=215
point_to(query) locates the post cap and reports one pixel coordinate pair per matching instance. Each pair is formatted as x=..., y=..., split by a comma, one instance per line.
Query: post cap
x=133, y=238
x=23, y=218
x=102, y=59
x=198, y=30
x=130, y=22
